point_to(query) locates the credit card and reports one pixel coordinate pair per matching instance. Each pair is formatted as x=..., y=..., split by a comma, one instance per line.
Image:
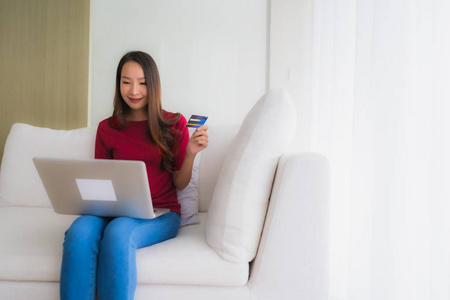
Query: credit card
x=196, y=121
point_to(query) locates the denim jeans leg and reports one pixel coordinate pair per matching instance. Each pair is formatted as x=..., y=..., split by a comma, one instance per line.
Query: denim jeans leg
x=79, y=262
x=117, y=260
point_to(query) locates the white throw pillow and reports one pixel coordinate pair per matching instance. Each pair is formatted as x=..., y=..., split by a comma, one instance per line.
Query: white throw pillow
x=20, y=184
x=237, y=211
x=188, y=198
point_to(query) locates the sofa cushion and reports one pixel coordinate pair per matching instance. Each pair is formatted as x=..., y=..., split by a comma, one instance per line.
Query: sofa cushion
x=220, y=138
x=31, y=243
x=31, y=248
x=188, y=259
x=239, y=204
x=20, y=184
x=188, y=197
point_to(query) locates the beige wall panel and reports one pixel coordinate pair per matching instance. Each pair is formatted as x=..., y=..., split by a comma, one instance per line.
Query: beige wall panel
x=44, y=64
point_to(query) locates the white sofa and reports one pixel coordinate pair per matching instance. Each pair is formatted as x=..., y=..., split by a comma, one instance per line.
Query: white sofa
x=291, y=251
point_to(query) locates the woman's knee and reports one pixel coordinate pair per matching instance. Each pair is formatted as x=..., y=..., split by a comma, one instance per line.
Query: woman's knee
x=137, y=233
x=119, y=231
x=85, y=229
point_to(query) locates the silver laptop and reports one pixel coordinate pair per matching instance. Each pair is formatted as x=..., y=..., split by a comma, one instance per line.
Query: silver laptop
x=100, y=187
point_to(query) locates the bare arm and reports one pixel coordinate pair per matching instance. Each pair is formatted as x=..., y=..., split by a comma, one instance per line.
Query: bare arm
x=197, y=142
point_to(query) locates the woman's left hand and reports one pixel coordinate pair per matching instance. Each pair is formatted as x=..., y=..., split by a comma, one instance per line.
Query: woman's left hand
x=198, y=140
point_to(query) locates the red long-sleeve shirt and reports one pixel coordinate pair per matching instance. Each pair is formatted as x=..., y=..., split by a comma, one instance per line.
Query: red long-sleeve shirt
x=134, y=143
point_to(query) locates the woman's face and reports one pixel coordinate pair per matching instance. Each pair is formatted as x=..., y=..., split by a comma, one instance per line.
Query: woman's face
x=133, y=89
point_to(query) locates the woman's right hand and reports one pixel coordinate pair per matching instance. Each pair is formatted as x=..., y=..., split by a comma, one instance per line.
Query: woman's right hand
x=198, y=140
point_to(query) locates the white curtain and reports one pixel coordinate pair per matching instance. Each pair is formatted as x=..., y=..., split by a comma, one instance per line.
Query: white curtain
x=381, y=114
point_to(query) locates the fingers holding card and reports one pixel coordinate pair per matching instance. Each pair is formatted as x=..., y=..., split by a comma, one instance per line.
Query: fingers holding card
x=199, y=138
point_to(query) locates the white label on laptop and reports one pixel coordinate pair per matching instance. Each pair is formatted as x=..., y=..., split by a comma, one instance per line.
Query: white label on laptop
x=96, y=190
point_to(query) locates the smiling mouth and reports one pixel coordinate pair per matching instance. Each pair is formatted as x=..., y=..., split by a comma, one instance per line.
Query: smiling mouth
x=135, y=100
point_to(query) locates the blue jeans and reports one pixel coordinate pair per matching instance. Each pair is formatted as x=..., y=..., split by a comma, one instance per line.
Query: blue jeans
x=100, y=254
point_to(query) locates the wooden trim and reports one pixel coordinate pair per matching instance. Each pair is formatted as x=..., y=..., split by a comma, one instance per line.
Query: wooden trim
x=44, y=64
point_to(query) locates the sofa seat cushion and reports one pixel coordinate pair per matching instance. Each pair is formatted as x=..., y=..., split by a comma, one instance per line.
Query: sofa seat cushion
x=31, y=243
x=188, y=259
x=31, y=248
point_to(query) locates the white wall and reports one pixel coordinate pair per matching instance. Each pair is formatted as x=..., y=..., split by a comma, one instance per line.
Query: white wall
x=212, y=54
x=291, y=58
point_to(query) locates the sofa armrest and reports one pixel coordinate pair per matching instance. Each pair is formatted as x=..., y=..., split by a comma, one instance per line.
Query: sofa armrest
x=292, y=259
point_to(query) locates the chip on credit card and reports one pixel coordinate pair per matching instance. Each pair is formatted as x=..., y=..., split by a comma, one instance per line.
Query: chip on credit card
x=196, y=121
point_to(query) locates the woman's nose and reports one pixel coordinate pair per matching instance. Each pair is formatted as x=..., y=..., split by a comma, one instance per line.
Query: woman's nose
x=134, y=89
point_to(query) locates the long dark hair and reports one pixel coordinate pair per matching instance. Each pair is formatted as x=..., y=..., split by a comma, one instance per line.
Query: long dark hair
x=159, y=125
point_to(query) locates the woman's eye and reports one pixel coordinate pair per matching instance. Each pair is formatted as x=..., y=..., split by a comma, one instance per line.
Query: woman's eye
x=144, y=83
x=125, y=82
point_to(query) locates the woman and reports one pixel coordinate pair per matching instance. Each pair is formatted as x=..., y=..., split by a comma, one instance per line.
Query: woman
x=100, y=253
